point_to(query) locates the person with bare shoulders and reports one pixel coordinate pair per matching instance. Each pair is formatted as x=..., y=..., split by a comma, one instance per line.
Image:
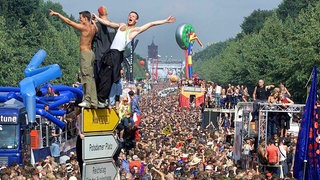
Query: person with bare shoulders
x=260, y=95
x=273, y=100
x=110, y=68
x=261, y=91
x=262, y=152
x=88, y=31
x=284, y=90
x=284, y=116
x=283, y=149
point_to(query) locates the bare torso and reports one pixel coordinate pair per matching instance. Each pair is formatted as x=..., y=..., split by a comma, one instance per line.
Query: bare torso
x=86, y=38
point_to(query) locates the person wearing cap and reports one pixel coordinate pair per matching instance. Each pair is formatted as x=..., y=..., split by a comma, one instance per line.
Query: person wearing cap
x=111, y=65
x=101, y=44
x=195, y=161
x=209, y=169
x=101, y=41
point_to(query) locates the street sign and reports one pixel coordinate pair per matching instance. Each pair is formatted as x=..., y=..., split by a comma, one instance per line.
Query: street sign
x=99, y=120
x=99, y=170
x=99, y=146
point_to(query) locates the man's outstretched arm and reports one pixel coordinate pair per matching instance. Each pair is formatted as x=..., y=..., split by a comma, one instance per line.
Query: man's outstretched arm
x=67, y=20
x=107, y=22
x=145, y=27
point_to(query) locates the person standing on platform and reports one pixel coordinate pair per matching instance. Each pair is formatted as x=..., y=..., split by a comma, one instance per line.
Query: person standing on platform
x=260, y=95
x=110, y=71
x=88, y=31
x=102, y=41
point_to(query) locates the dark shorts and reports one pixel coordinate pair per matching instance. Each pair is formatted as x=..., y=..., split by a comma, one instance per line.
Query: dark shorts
x=229, y=98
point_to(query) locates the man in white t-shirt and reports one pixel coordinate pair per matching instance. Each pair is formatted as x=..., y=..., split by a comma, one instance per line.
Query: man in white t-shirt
x=218, y=90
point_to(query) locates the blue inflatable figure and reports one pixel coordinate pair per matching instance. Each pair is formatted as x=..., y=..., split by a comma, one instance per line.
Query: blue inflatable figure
x=35, y=76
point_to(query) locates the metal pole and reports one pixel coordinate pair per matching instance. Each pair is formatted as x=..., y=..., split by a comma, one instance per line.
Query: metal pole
x=41, y=138
x=151, y=62
x=60, y=135
x=131, y=67
x=66, y=135
x=304, y=169
x=157, y=67
x=266, y=127
x=47, y=136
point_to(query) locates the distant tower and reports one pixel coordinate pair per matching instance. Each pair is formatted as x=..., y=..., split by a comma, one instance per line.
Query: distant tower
x=153, y=50
x=153, y=55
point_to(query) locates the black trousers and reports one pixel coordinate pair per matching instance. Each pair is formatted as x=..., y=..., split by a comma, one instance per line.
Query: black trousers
x=96, y=69
x=109, y=73
x=79, y=153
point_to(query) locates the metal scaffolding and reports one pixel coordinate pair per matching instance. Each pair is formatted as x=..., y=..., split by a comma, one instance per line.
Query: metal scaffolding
x=265, y=109
x=244, y=127
x=210, y=118
x=220, y=110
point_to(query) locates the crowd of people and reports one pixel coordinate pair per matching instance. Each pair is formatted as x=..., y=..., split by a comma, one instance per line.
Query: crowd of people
x=218, y=96
x=191, y=152
x=171, y=144
x=158, y=138
x=227, y=97
x=66, y=167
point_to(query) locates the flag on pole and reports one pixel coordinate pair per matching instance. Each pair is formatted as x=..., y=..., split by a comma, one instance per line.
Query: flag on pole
x=307, y=156
x=167, y=130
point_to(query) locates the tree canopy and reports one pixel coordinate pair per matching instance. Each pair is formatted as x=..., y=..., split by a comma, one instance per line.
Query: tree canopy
x=254, y=22
x=281, y=51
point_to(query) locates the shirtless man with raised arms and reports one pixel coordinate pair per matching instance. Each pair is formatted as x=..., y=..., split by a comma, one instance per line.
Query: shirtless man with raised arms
x=88, y=31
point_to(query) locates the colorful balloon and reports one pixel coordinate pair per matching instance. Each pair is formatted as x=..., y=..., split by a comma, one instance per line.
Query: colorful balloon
x=170, y=72
x=141, y=63
x=174, y=78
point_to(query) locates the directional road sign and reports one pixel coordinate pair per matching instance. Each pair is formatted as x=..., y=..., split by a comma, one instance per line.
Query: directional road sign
x=99, y=170
x=99, y=146
x=99, y=120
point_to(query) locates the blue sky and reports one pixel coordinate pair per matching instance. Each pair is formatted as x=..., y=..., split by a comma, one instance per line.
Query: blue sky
x=213, y=20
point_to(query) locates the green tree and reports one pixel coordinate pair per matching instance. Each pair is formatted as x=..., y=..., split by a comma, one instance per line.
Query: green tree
x=292, y=8
x=254, y=22
x=18, y=10
x=210, y=51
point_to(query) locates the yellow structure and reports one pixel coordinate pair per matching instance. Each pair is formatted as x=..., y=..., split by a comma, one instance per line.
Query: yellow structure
x=99, y=120
x=190, y=93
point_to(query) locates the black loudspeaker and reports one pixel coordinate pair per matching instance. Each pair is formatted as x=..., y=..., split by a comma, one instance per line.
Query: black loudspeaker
x=213, y=117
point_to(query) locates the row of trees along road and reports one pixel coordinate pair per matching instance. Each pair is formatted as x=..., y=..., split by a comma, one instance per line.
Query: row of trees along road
x=281, y=45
